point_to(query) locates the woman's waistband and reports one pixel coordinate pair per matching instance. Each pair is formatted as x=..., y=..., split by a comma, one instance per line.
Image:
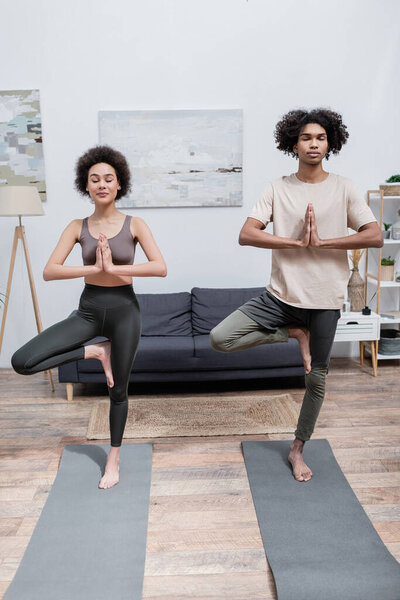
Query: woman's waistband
x=108, y=296
x=108, y=288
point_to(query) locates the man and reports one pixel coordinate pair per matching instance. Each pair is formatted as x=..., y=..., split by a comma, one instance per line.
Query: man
x=310, y=211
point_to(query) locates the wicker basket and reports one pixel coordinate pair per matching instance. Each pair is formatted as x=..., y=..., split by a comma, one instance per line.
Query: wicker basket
x=387, y=272
x=390, y=189
x=389, y=342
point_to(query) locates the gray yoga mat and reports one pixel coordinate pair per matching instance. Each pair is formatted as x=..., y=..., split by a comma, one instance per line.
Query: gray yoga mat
x=89, y=544
x=318, y=540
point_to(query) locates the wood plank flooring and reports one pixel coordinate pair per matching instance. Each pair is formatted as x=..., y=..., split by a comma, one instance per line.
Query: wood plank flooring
x=203, y=538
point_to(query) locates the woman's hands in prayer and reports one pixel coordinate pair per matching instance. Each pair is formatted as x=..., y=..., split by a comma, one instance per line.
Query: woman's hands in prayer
x=106, y=255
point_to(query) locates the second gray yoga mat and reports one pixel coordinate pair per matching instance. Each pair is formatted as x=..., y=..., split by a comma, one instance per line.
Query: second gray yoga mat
x=318, y=540
x=89, y=544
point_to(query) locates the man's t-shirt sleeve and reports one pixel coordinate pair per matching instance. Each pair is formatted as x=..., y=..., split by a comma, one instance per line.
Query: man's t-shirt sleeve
x=358, y=211
x=262, y=210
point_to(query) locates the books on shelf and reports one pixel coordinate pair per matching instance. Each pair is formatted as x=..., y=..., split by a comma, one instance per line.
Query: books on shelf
x=391, y=314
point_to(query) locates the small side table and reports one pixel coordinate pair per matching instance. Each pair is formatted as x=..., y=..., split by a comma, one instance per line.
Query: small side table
x=354, y=326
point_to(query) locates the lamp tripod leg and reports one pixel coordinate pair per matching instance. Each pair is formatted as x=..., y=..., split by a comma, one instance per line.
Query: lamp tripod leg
x=10, y=276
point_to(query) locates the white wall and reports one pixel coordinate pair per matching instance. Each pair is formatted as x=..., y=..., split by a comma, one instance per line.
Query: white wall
x=260, y=55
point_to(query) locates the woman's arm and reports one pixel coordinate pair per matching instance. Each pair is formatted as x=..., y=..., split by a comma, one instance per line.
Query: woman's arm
x=55, y=268
x=155, y=267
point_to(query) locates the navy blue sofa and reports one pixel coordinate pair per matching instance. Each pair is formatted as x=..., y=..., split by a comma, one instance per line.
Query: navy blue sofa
x=175, y=346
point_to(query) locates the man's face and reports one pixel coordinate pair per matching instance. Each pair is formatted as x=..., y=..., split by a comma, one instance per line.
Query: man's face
x=312, y=144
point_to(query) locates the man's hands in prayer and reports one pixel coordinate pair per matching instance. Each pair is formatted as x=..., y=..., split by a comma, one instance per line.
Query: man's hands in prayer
x=309, y=236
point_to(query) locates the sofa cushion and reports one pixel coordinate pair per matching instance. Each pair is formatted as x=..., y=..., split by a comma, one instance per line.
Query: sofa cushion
x=168, y=353
x=211, y=305
x=164, y=353
x=165, y=314
x=284, y=354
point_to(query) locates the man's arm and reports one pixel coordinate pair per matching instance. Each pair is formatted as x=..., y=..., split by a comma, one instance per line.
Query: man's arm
x=368, y=236
x=252, y=234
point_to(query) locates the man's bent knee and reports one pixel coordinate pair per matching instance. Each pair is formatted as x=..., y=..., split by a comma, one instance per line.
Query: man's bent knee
x=218, y=341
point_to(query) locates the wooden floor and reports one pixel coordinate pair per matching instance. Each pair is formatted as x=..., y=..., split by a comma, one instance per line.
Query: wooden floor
x=203, y=539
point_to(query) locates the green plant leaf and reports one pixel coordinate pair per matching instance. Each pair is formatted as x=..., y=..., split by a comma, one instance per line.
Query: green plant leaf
x=386, y=262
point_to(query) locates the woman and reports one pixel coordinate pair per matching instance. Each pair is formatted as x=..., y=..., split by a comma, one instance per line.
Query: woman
x=108, y=305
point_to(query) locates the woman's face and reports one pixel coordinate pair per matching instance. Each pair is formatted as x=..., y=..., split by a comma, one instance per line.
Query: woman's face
x=102, y=184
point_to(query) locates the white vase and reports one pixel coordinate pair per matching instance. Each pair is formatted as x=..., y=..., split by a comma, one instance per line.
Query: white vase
x=396, y=231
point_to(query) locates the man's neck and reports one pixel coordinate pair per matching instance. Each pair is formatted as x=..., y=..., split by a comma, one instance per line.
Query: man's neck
x=311, y=173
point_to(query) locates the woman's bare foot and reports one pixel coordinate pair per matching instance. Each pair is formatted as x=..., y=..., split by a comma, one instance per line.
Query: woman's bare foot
x=102, y=351
x=300, y=470
x=111, y=472
x=302, y=335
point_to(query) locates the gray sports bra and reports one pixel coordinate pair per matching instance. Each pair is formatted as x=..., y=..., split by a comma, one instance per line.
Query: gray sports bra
x=122, y=245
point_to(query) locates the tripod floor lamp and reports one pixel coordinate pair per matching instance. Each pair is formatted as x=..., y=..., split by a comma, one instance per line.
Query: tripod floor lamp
x=17, y=201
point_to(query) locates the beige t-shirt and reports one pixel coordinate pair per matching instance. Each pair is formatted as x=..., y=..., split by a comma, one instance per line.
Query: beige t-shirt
x=311, y=277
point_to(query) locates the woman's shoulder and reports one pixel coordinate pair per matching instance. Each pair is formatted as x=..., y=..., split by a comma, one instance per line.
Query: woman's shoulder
x=75, y=226
x=137, y=222
x=138, y=225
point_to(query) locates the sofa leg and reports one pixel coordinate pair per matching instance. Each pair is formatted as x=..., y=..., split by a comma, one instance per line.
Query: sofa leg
x=70, y=391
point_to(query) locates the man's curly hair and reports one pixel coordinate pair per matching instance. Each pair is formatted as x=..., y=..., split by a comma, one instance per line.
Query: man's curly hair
x=103, y=154
x=288, y=129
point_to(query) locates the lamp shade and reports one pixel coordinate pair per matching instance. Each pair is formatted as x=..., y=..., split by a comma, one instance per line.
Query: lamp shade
x=16, y=200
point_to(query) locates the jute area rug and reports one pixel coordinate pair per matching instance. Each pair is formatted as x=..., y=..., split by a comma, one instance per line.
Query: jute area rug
x=161, y=416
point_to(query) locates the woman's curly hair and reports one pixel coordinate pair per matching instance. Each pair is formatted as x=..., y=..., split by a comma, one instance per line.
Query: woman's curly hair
x=288, y=129
x=103, y=154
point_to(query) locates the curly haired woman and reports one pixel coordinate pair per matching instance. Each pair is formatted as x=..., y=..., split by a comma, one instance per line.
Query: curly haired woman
x=311, y=211
x=108, y=305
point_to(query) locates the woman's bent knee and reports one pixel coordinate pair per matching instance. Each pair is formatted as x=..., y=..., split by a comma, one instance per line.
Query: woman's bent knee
x=18, y=363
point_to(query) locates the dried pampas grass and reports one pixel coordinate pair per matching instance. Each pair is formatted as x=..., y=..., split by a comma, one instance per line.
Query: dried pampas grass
x=355, y=255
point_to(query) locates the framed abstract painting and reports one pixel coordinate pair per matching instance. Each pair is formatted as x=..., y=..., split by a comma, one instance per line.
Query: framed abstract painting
x=21, y=147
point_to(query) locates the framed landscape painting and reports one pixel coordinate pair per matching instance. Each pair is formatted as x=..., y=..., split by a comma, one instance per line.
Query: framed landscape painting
x=178, y=157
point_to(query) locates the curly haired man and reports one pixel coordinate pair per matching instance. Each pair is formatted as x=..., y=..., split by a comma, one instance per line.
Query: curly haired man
x=311, y=211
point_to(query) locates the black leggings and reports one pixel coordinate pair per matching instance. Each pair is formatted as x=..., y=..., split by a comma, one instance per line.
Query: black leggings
x=112, y=312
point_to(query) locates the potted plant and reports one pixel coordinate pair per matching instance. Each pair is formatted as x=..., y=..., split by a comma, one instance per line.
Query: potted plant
x=387, y=269
x=391, y=187
x=386, y=232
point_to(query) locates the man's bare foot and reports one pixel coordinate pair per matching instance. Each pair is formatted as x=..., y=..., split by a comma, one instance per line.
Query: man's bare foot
x=302, y=335
x=111, y=472
x=300, y=470
x=102, y=351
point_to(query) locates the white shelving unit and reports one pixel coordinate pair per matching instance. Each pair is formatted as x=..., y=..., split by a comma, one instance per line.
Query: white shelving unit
x=375, y=279
x=354, y=326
